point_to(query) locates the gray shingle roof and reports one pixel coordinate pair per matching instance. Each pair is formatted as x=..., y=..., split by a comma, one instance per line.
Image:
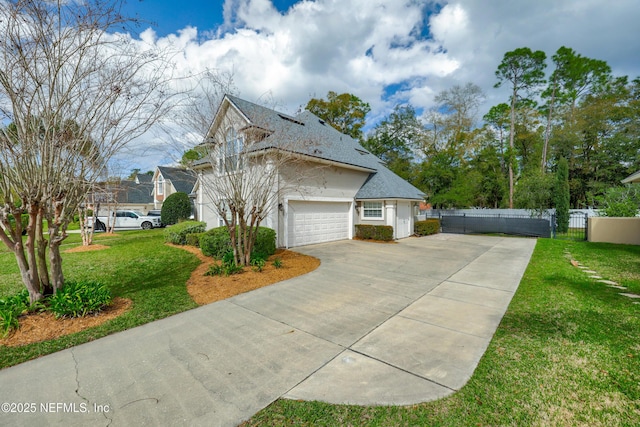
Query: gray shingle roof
x=182, y=179
x=130, y=192
x=307, y=134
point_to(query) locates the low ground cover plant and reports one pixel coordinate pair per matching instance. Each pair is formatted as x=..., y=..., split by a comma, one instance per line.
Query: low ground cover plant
x=79, y=298
x=75, y=299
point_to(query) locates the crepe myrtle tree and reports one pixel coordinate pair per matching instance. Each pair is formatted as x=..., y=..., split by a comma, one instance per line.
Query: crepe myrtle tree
x=250, y=174
x=75, y=92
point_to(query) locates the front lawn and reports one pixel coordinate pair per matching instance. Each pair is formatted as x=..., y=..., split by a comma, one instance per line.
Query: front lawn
x=137, y=265
x=566, y=353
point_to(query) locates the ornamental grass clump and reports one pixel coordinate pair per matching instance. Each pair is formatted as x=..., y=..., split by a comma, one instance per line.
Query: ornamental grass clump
x=77, y=299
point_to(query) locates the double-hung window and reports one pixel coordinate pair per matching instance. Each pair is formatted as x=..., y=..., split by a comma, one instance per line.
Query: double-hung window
x=372, y=210
x=231, y=159
x=160, y=186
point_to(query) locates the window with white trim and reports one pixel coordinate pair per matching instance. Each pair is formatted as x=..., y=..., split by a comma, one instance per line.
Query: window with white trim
x=372, y=210
x=160, y=185
x=231, y=160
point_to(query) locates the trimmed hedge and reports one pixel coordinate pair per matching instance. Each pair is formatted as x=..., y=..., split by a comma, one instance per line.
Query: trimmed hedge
x=427, y=227
x=216, y=242
x=193, y=239
x=374, y=232
x=177, y=233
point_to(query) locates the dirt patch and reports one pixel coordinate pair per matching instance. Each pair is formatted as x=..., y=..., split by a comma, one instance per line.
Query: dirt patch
x=89, y=248
x=36, y=327
x=207, y=289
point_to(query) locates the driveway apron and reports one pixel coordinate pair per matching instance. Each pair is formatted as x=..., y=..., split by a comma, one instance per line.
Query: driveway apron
x=375, y=324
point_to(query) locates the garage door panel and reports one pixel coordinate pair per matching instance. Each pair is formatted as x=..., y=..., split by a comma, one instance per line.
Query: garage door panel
x=316, y=222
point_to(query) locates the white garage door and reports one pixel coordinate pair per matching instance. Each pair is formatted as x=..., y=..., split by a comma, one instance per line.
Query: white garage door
x=316, y=222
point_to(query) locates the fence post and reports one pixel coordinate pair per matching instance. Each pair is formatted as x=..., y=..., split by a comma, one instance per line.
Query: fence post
x=553, y=225
x=586, y=226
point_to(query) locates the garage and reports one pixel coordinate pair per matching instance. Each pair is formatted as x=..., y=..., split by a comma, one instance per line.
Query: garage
x=317, y=222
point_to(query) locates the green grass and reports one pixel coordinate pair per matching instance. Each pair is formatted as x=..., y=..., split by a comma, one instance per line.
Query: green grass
x=137, y=266
x=567, y=353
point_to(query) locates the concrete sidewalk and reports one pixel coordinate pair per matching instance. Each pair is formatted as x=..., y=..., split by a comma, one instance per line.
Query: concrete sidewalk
x=375, y=324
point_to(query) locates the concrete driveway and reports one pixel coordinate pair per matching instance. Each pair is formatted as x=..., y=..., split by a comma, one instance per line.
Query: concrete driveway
x=375, y=324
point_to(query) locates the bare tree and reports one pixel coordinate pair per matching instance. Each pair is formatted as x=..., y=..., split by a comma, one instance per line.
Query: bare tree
x=75, y=93
x=252, y=166
x=191, y=120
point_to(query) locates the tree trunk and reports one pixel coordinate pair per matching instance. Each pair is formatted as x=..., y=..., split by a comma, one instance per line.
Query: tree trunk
x=27, y=277
x=547, y=134
x=511, y=139
x=55, y=260
x=43, y=271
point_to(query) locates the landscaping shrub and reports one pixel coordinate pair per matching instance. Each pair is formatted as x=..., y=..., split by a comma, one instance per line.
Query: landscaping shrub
x=374, y=232
x=77, y=299
x=277, y=263
x=10, y=309
x=216, y=242
x=193, y=239
x=177, y=233
x=265, y=242
x=427, y=227
x=175, y=208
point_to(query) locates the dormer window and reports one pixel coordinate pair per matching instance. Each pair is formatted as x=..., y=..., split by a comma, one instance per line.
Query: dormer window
x=160, y=185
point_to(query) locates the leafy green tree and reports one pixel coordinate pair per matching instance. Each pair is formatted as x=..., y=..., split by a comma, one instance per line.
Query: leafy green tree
x=192, y=155
x=345, y=112
x=175, y=208
x=574, y=77
x=523, y=69
x=561, y=196
x=534, y=191
x=620, y=201
x=497, y=125
x=394, y=139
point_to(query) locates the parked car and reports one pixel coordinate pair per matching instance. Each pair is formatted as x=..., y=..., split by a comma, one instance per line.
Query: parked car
x=126, y=219
x=156, y=212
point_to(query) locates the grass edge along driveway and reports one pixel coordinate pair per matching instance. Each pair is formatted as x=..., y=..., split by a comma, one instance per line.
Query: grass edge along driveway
x=137, y=265
x=566, y=353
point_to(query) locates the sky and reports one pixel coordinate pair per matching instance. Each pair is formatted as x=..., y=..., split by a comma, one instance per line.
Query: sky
x=386, y=52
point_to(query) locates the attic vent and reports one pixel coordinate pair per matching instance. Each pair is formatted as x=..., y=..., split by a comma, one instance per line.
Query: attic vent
x=289, y=119
x=322, y=122
x=362, y=152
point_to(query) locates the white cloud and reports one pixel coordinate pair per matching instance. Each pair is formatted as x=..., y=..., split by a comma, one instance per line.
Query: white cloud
x=415, y=46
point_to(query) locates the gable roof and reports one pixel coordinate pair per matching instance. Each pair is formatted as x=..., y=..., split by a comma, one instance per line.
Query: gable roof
x=324, y=142
x=182, y=179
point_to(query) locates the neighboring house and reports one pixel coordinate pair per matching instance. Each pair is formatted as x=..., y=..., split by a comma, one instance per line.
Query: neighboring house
x=168, y=180
x=128, y=195
x=633, y=178
x=356, y=187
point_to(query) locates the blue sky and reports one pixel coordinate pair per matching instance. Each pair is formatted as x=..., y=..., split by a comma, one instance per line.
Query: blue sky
x=387, y=52
x=169, y=16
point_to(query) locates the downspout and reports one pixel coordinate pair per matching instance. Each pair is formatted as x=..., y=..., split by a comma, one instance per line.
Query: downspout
x=285, y=222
